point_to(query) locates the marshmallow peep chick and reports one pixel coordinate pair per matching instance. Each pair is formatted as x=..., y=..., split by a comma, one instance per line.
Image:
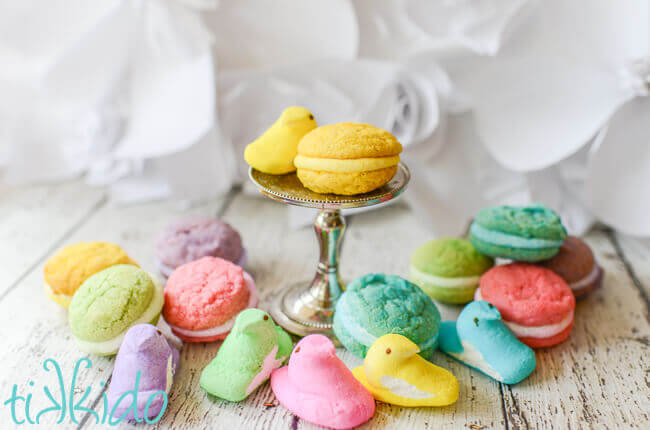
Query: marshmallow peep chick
x=318, y=387
x=146, y=356
x=481, y=340
x=273, y=152
x=255, y=347
x=394, y=373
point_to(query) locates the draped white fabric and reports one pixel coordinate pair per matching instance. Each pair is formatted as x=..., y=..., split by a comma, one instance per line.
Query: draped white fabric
x=495, y=101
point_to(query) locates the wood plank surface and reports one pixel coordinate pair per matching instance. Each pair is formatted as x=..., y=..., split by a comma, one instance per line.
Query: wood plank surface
x=635, y=255
x=598, y=378
x=34, y=328
x=279, y=257
x=35, y=219
x=382, y=241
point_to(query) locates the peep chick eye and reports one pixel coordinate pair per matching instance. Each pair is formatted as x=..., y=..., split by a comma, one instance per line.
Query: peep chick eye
x=476, y=321
x=311, y=116
x=388, y=351
x=266, y=317
x=297, y=350
x=490, y=305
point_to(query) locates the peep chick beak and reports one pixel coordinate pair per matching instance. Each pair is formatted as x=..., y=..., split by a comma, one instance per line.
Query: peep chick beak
x=402, y=351
x=409, y=351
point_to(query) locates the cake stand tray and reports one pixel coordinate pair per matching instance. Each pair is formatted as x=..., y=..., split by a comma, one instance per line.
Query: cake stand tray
x=308, y=307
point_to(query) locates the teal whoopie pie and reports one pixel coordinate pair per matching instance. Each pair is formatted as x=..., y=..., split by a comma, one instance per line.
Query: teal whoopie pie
x=377, y=304
x=520, y=233
x=448, y=269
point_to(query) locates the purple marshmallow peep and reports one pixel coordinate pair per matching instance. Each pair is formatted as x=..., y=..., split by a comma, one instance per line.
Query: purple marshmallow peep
x=188, y=239
x=146, y=350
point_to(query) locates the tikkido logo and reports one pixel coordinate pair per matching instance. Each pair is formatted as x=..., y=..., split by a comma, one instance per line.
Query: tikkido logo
x=68, y=404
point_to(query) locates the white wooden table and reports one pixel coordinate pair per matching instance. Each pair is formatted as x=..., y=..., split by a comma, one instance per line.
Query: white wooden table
x=599, y=378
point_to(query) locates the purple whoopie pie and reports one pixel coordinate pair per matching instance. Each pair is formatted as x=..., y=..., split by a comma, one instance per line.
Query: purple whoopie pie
x=190, y=238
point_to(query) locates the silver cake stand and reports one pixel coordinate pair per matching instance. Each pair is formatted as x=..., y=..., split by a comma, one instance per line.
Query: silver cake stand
x=308, y=307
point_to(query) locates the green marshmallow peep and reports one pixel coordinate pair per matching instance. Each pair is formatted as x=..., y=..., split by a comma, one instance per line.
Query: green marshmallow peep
x=254, y=348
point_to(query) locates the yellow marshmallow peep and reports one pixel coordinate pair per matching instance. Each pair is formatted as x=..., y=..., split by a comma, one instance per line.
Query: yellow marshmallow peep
x=394, y=373
x=273, y=152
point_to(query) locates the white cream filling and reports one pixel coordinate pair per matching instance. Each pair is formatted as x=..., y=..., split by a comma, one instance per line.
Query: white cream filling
x=228, y=325
x=540, y=331
x=49, y=289
x=345, y=165
x=584, y=282
x=511, y=240
x=112, y=345
x=437, y=281
x=401, y=388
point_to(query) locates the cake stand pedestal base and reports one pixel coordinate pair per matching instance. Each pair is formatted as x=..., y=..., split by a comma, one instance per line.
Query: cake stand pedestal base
x=307, y=308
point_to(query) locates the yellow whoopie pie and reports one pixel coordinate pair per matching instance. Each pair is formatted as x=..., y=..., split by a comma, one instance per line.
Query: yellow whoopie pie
x=347, y=158
x=71, y=266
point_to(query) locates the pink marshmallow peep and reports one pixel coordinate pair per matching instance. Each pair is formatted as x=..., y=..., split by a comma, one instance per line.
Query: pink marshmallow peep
x=319, y=388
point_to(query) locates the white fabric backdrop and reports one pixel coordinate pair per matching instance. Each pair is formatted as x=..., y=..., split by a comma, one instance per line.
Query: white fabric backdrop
x=494, y=100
